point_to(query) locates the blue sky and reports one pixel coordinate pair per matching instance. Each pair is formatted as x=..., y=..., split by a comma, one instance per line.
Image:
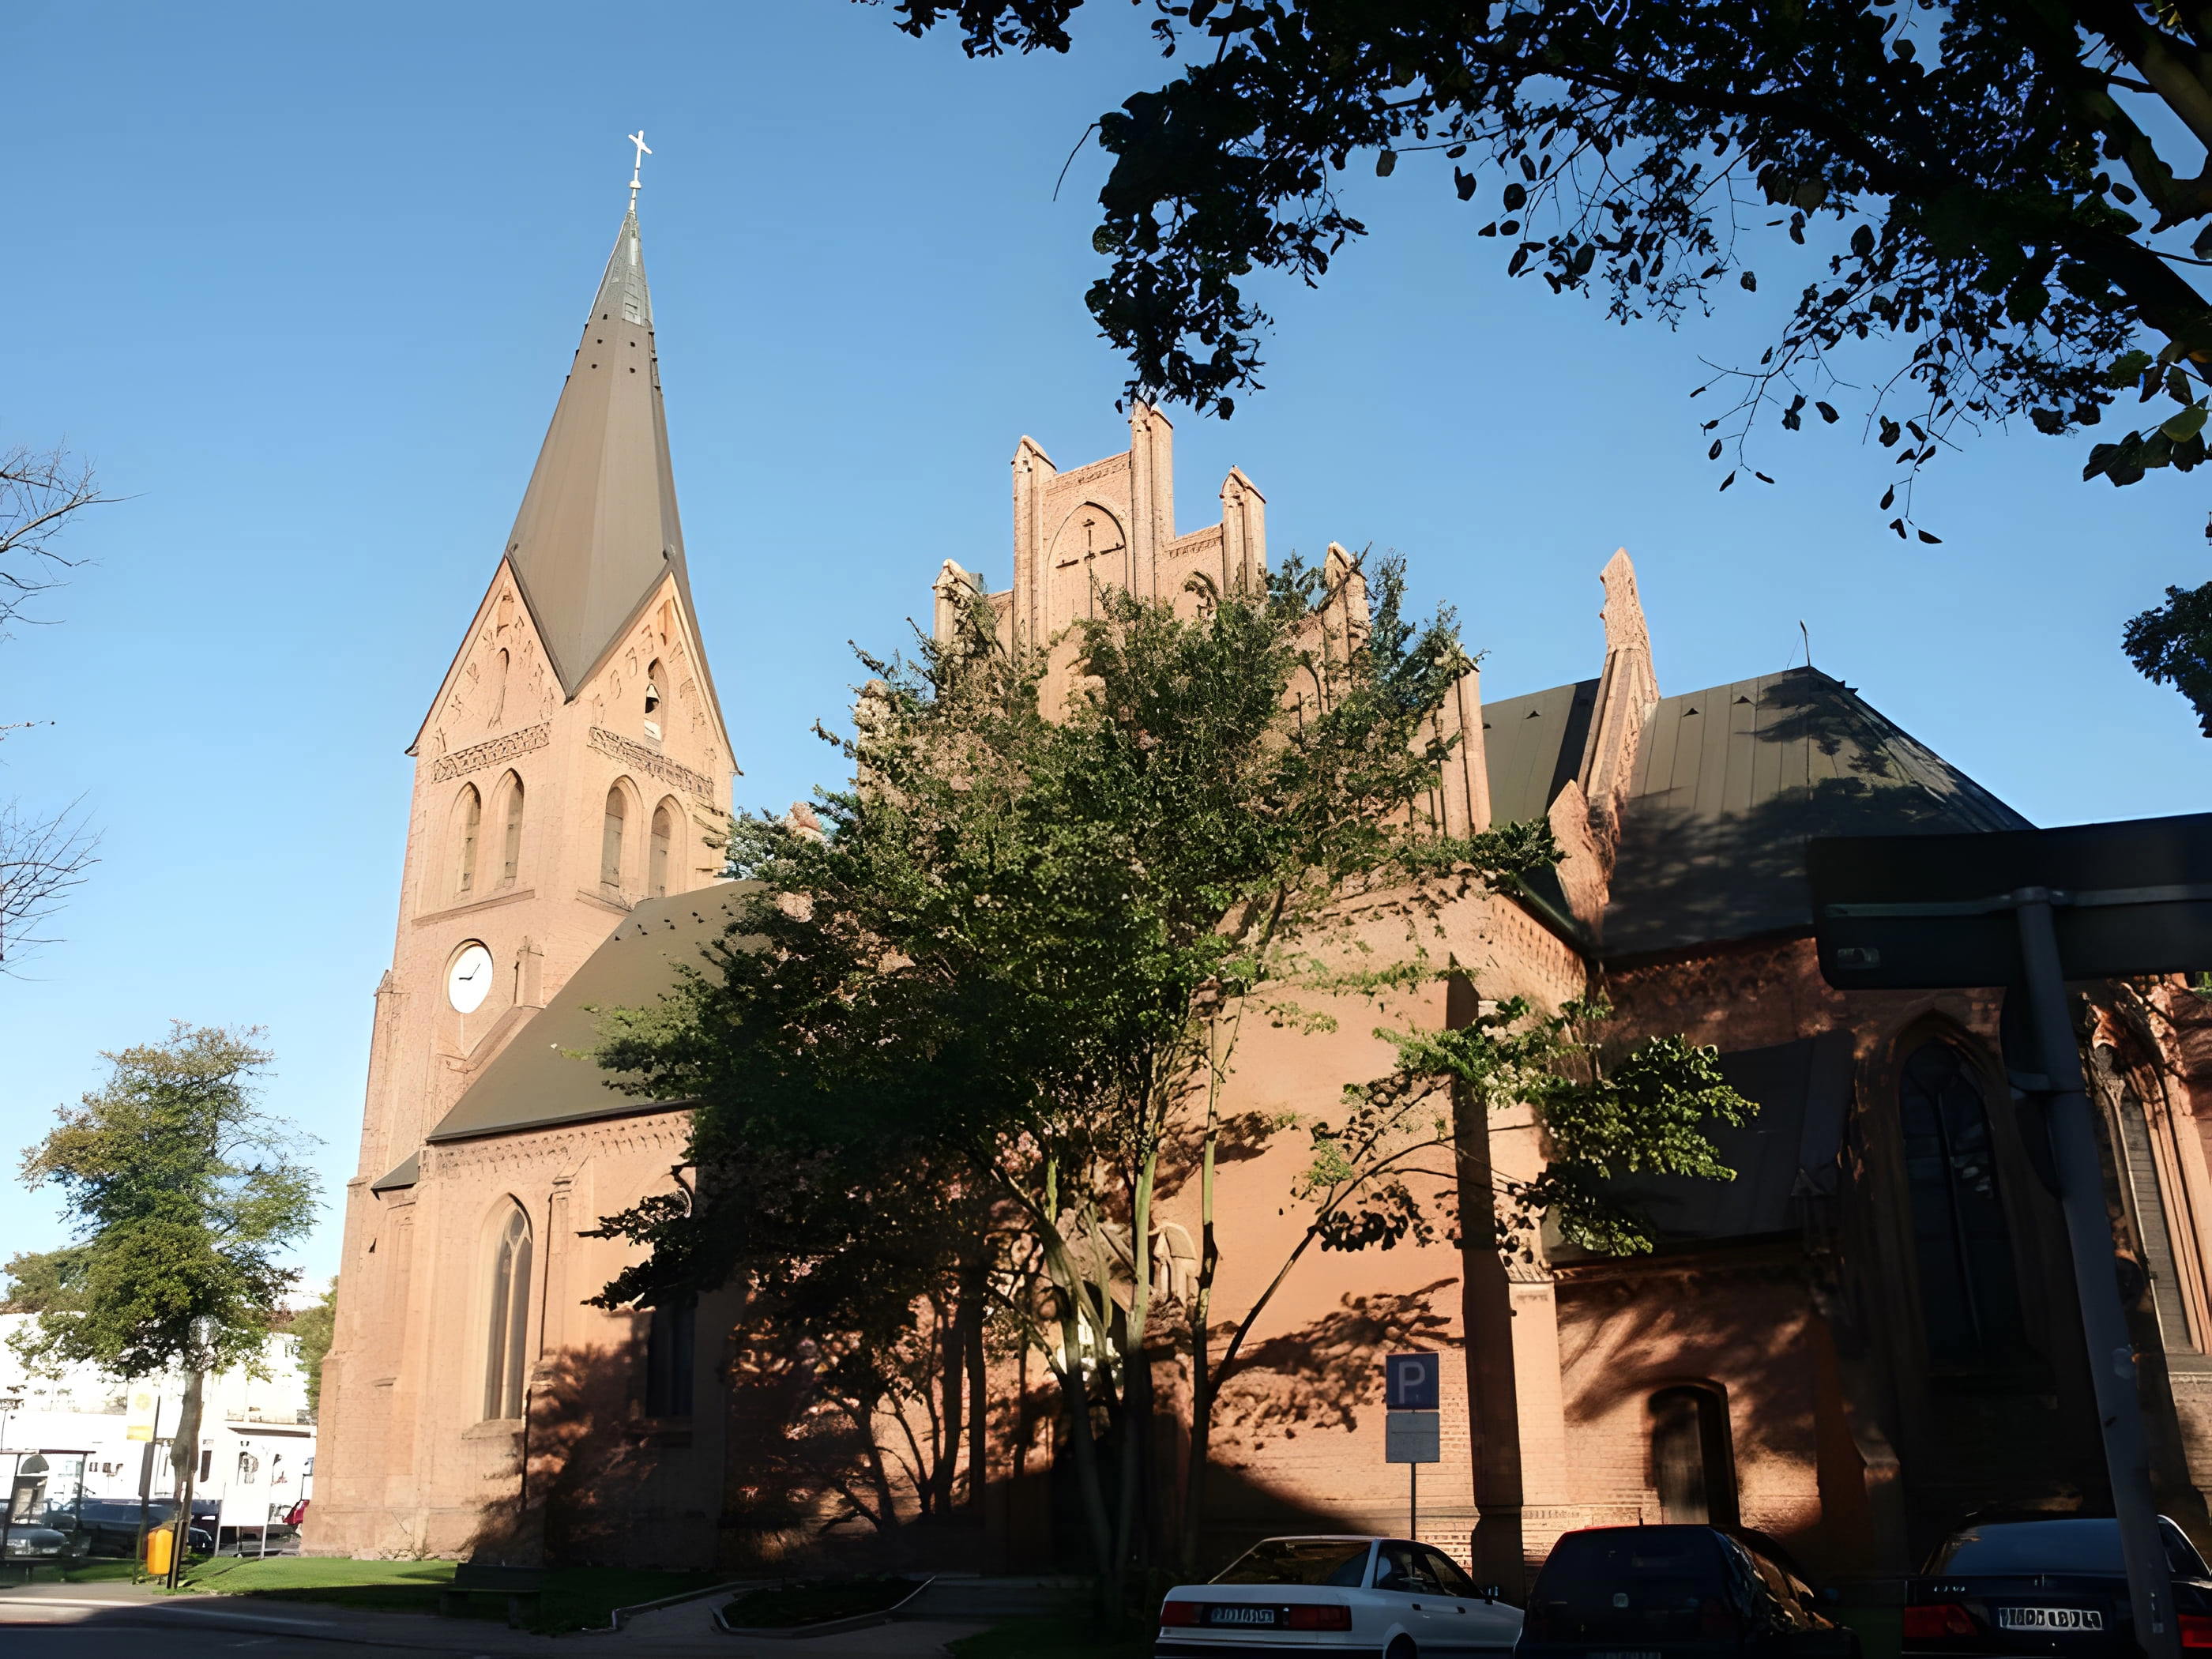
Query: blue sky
x=303, y=281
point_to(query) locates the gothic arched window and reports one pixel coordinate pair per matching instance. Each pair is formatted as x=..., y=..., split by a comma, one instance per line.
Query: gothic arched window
x=508, y=1327
x=664, y=837
x=1969, y=1294
x=669, y=1346
x=612, y=826
x=468, y=818
x=510, y=853
x=1693, y=1459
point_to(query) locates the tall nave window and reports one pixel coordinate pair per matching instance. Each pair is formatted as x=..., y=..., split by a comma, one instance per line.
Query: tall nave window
x=509, y=1325
x=1969, y=1294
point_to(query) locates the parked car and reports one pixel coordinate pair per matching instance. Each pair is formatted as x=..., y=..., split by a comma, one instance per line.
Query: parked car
x=1676, y=1591
x=2057, y=1585
x=28, y=1542
x=110, y=1525
x=1339, y=1595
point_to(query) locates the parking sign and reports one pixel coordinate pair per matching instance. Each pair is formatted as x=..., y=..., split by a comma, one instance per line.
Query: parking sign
x=1409, y=1382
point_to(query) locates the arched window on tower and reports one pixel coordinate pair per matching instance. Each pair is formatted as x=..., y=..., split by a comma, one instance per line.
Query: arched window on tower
x=656, y=863
x=612, y=826
x=510, y=837
x=1969, y=1294
x=507, y=1330
x=654, y=680
x=468, y=826
x=1693, y=1459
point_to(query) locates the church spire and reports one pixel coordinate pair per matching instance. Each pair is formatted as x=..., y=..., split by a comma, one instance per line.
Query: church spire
x=597, y=527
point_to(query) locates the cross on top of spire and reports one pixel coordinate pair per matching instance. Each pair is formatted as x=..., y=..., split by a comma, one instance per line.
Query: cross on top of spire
x=637, y=161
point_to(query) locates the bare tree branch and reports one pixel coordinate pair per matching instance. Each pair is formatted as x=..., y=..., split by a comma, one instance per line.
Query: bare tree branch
x=40, y=859
x=39, y=491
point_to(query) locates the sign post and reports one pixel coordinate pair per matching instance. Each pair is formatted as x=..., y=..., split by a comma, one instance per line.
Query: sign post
x=2034, y=908
x=1412, y=1432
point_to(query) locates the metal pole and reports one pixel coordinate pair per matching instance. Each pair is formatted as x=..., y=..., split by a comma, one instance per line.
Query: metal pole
x=2096, y=1283
x=146, y=1489
x=7, y=1511
x=1413, y=1502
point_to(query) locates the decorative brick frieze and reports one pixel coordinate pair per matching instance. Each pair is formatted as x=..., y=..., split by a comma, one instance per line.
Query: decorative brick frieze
x=656, y=765
x=476, y=756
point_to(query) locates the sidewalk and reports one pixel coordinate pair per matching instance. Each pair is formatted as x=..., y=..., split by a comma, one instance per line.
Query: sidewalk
x=687, y=1627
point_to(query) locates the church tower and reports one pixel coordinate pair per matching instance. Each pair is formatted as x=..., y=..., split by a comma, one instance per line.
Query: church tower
x=574, y=758
x=571, y=777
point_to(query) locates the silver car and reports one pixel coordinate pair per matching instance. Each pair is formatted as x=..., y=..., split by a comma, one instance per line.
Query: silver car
x=1339, y=1595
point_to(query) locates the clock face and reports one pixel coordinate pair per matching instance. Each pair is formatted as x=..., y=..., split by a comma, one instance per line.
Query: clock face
x=468, y=981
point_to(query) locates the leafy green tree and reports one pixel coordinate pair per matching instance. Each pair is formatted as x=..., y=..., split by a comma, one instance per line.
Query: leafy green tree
x=184, y=1196
x=989, y=979
x=2010, y=199
x=314, y=1325
x=41, y=1281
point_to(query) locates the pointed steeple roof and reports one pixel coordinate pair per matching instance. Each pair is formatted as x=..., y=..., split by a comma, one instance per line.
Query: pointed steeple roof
x=597, y=527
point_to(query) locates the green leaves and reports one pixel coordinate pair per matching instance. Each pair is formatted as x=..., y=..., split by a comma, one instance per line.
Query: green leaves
x=1605, y=1117
x=184, y=1197
x=2171, y=645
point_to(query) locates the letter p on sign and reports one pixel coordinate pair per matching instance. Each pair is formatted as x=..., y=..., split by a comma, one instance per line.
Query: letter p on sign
x=1410, y=1381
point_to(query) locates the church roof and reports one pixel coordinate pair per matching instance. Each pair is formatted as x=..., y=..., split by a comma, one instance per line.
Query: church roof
x=1729, y=783
x=597, y=527
x=544, y=1076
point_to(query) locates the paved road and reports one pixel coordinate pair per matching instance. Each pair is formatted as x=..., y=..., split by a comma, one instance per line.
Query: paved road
x=65, y=1622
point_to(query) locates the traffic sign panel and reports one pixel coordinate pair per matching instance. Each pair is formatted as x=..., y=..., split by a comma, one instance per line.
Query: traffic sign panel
x=1413, y=1438
x=1409, y=1382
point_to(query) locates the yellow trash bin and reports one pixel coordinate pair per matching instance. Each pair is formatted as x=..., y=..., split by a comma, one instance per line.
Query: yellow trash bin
x=161, y=1548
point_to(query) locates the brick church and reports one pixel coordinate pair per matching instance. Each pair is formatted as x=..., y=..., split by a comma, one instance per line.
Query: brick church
x=1867, y=1334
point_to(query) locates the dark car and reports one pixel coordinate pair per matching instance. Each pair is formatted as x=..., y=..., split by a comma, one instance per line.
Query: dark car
x=110, y=1525
x=2056, y=1586
x=35, y=1544
x=1673, y=1592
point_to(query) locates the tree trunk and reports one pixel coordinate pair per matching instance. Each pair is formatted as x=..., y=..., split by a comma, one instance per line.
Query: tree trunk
x=1085, y=1450
x=1136, y=1377
x=1201, y=1330
x=184, y=1463
x=952, y=1366
x=979, y=1426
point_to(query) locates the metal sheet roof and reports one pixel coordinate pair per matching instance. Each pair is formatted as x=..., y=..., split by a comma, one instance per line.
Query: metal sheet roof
x=1729, y=783
x=538, y=1079
x=1532, y=746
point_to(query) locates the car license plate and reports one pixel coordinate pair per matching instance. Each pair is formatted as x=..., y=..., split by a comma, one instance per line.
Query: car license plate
x=2049, y=1619
x=1240, y=1615
x=1628, y=1653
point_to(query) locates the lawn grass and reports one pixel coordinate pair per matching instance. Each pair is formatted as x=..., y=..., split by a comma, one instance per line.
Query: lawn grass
x=1051, y=1639
x=98, y=1572
x=575, y=1598
x=816, y=1601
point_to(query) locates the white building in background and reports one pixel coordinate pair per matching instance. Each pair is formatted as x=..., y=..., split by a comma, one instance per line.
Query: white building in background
x=257, y=1436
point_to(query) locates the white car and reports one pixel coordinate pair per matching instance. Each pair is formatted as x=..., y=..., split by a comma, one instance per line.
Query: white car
x=1379, y=1598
